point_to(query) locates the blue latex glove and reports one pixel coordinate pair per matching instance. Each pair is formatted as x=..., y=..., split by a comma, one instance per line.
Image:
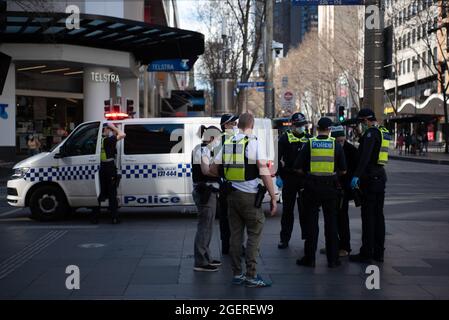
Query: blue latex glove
x=355, y=183
x=279, y=182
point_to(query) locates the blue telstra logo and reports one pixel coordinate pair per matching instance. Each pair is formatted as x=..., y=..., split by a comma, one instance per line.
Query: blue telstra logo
x=3, y=113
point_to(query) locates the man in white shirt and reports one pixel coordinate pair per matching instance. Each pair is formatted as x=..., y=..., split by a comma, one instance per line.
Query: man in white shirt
x=242, y=163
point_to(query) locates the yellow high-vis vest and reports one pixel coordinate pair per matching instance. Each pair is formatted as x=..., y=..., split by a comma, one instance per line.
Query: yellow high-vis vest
x=385, y=145
x=103, y=152
x=292, y=138
x=322, y=156
x=234, y=165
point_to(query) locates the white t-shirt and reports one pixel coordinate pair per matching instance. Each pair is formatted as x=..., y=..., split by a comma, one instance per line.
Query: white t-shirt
x=198, y=153
x=253, y=152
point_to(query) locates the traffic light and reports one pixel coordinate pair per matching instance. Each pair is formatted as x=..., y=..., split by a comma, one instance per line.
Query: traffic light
x=107, y=106
x=341, y=113
x=130, y=108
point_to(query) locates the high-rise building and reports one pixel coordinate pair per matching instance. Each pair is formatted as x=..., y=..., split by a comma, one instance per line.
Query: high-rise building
x=291, y=23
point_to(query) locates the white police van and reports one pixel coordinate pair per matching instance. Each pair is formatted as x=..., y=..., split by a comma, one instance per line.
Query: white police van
x=154, y=161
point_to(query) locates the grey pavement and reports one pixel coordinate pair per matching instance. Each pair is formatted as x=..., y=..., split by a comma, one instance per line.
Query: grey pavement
x=150, y=255
x=433, y=156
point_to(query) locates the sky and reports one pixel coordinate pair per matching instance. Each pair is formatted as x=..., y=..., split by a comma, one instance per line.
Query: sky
x=188, y=15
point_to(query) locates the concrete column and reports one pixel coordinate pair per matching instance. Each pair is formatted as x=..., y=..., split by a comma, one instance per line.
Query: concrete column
x=130, y=90
x=95, y=92
x=8, y=117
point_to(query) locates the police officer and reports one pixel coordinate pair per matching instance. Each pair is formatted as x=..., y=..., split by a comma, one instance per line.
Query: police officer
x=108, y=171
x=371, y=178
x=320, y=160
x=228, y=123
x=290, y=143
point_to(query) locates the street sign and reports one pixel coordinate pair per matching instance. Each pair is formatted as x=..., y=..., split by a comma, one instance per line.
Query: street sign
x=171, y=65
x=327, y=2
x=284, y=82
x=250, y=84
x=288, y=101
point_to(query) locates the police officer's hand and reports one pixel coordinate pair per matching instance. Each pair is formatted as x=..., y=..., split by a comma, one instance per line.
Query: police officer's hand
x=355, y=182
x=273, y=206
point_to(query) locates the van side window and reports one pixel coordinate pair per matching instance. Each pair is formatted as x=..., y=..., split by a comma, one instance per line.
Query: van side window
x=83, y=141
x=154, y=138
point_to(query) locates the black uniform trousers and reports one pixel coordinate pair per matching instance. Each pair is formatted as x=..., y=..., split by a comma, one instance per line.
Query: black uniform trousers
x=291, y=195
x=344, y=234
x=108, y=187
x=373, y=219
x=321, y=192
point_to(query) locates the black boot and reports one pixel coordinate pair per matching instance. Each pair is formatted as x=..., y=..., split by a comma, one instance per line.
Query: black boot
x=306, y=262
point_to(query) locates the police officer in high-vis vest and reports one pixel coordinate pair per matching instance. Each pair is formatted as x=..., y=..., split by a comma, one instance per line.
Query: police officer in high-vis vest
x=228, y=124
x=320, y=161
x=290, y=143
x=108, y=171
x=371, y=178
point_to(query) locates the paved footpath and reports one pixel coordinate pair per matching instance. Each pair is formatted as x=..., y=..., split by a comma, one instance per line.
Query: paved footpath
x=150, y=255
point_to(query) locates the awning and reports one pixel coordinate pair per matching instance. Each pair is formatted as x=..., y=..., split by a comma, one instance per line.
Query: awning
x=147, y=42
x=413, y=119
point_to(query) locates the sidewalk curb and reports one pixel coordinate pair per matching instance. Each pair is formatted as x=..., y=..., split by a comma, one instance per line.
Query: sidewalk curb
x=431, y=161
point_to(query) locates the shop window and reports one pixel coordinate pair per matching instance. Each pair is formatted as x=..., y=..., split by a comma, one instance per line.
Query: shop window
x=154, y=138
x=83, y=141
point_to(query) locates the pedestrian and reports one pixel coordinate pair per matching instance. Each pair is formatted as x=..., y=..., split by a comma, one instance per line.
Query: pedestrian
x=228, y=123
x=320, y=161
x=205, y=191
x=408, y=142
x=401, y=143
x=345, y=193
x=242, y=163
x=290, y=143
x=413, y=143
x=425, y=142
x=109, y=179
x=34, y=145
x=370, y=177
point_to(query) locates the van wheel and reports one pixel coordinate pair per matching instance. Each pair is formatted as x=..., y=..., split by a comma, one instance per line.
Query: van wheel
x=47, y=204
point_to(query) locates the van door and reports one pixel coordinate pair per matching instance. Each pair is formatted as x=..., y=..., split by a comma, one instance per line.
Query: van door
x=152, y=165
x=79, y=163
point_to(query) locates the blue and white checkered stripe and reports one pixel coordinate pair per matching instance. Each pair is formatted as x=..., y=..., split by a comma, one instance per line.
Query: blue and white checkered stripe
x=139, y=171
x=184, y=169
x=84, y=172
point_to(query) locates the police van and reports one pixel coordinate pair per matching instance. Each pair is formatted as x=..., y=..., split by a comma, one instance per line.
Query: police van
x=154, y=161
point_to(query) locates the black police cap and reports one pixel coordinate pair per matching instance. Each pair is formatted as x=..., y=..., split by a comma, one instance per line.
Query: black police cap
x=324, y=123
x=366, y=113
x=228, y=118
x=298, y=118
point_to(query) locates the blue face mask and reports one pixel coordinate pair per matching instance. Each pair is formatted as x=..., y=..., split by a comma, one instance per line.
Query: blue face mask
x=299, y=130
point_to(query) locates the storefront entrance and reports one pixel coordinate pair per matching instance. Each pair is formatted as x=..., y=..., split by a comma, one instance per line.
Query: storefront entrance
x=50, y=120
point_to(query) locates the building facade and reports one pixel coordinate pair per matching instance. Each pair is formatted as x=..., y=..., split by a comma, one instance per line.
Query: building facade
x=291, y=23
x=414, y=102
x=65, y=77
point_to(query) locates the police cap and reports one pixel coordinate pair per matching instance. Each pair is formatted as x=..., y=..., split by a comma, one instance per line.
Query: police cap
x=366, y=113
x=324, y=123
x=227, y=117
x=298, y=119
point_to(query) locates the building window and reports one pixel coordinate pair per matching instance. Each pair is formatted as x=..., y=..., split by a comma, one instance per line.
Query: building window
x=399, y=68
x=399, y=43
x=154, y=138
x=408, y=65
x=413, y=35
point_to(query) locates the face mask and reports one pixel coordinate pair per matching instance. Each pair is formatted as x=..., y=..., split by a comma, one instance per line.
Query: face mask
x=300, y=129
x=364, y=127
x=235, y=129
x=110, y=134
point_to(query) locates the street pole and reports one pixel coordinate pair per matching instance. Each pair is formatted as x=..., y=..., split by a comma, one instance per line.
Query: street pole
x=268, y=106
x=373, y=61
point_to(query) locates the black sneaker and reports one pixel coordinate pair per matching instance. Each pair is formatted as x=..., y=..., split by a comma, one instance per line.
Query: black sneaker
x=359, y=258
x=215, y=263
x=283, y=245
x=207, y=268
x=306, y=262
